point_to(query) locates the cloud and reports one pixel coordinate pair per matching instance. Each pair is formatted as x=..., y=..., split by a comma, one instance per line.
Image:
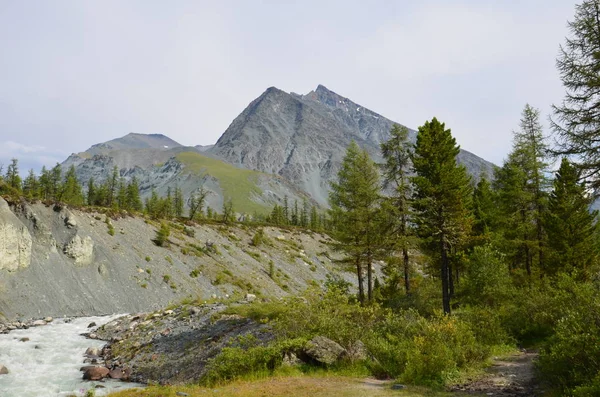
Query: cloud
x=29, y=156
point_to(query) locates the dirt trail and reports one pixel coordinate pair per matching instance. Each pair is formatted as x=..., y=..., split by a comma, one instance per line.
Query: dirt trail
x=511, y=376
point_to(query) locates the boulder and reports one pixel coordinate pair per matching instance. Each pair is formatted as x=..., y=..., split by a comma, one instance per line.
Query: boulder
x=15, y=240
x=116, y=373
x=357, y=351
x=3, y=370
x=250, y=297
x=80, y=249
x=95, y=373
x=70, y=221
x=38, y=323
x=323, y=350
x=92, y=351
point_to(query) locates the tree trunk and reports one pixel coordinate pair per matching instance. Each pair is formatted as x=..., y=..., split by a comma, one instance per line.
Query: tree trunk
x=369, y=276
x=361, y=288
x=406, y=269
x=445, y=292
x=450, y=280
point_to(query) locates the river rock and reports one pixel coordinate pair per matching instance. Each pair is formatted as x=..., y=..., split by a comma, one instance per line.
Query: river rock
x=15, y=240
x=92, y=351
x=80, y=249
x=38, y=323
x=116, y=373
x=323, y=350
x=95, y=373
x=3, y=370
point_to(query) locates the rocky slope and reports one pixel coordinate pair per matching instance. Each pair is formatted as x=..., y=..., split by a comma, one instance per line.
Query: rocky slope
x=56, y=261
x=304, y=137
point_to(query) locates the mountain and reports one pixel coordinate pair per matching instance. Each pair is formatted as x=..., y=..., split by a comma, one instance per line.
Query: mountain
x=304, y=137
x=135, y=141
x=160, y=163
x=282, y=144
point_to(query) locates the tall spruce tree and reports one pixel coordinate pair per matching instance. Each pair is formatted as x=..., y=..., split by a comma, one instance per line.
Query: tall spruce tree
x=355, y=205
x=396, y=153
x=576, y=120
x=570, y=225
x=442, y=198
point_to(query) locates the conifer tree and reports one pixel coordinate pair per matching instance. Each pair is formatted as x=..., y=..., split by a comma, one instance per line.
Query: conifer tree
x=570, y=225
x=484, y=211
x=112, y=186
x=355, y=199
x=522, y=187
x=134, y=202
x=576, y=121
x=314, y=219
x=45, y=184
x=91, y=192
x=228, y=211
x=31, y=187
x=71, y=189
x=13, y=179
x=55, y=182
x=396, y=154
x=441, y=199
x=178, y=202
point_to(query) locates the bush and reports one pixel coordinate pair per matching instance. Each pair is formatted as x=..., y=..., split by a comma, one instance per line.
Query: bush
x=162, y=235
x=487, y=280
x=259, y=238
x=569, y=358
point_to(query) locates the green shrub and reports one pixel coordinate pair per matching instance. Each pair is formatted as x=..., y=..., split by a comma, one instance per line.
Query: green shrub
x=245, y=357
x=148, y=259
x=569, y=358
x=162, y=235
x=259, y=238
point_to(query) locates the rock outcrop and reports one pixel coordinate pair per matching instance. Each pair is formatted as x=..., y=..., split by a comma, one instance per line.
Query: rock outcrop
x=80, y=249
x=15, y=240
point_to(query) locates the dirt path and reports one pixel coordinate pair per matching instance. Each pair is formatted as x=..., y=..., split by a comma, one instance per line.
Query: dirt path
x=511, y=376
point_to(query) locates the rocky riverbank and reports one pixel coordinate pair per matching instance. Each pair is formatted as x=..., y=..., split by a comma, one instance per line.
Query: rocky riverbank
x=170, y=346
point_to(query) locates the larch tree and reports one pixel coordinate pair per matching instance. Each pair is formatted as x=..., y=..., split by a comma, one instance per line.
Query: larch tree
x=523, y=190
x=354, y=200
x=396, y=153
x=576, y=120
x=441, y=199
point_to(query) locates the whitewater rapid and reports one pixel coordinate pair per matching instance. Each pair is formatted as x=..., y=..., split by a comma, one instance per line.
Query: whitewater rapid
x=47, y=365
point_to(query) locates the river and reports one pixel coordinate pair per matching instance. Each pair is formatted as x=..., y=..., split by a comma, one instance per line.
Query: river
x=47, y=365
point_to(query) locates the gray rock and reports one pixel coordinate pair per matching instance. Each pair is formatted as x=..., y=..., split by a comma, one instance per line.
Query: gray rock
x=323, y=350
x=92, y=351
x=357, y=351
x=80, y=249
x=250, y=297
x=15, y=240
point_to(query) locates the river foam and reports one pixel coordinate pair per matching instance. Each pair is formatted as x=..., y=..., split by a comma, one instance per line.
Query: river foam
x=47, y=365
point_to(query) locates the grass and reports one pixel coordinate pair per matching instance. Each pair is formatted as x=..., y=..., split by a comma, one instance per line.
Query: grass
x=237, y=183
x=293, y=386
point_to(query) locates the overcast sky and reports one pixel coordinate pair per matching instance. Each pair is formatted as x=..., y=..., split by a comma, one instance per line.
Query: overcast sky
x=74, y=73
